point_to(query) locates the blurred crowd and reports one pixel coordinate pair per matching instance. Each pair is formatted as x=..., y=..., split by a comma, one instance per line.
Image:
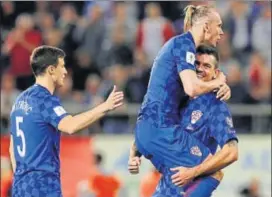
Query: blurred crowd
x=110, y=43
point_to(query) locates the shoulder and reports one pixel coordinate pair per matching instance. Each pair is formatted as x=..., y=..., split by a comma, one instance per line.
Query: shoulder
x=41, y=96
x=205, y=99
x=219, y=106
x=184, y=40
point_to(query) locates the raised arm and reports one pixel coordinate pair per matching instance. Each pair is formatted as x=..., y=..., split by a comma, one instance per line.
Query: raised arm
x=184, y=59
x=72, y=124
x=195, y=87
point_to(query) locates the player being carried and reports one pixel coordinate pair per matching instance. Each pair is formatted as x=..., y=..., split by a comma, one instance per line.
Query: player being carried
x=36, y=119
x=208, y=120
x=159, y=135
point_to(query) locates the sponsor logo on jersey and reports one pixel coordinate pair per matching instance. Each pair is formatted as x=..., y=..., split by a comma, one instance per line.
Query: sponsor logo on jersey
x=196, y=115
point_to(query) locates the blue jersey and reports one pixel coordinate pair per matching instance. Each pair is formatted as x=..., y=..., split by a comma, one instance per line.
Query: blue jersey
x=36, y=140
x=165, y=93
x=209, y=120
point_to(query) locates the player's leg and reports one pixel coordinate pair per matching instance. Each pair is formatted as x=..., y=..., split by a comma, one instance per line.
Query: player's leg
x=166, y=188
x=171, y=147
x=33, y=185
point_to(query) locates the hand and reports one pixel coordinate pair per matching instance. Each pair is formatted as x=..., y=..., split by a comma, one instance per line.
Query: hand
x=183, y=175
x=134, y=165
x=115, y=99
x=224, y=92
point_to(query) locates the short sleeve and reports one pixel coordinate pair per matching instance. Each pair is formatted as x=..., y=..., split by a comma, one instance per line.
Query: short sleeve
x=184, y=54
x=52, y=111
x=221, y=125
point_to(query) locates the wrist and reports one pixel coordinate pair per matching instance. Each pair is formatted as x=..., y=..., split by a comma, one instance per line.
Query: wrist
x=197, y=171
x=105, y=107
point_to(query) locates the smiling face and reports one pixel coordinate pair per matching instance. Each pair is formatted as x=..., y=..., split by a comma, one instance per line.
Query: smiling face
x=206, y=67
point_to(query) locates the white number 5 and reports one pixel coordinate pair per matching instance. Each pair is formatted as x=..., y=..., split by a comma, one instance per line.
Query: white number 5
x=20, y=133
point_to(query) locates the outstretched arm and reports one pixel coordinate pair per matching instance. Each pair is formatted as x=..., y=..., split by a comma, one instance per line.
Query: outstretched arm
x=72, y=124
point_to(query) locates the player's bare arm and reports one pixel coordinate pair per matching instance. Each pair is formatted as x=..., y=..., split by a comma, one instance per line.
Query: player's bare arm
x=195, y=87
x=11, y=154
x=72, y=124
x=226, y=156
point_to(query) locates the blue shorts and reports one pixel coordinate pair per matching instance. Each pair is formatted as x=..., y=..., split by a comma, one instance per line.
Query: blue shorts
x=202, y=187
x=169, y=147
x=34, y=185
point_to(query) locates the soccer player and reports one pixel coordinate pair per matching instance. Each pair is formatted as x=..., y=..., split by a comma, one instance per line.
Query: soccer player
x=37, y=118
x=158, y=133
x=209, y=120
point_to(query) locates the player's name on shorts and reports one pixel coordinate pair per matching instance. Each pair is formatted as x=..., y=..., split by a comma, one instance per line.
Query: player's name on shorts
x=22, y=105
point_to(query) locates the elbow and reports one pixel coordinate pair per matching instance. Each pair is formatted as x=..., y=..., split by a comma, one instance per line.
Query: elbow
x=71, y=130
x=190, y=91
x=67, y=125
x=234, y=156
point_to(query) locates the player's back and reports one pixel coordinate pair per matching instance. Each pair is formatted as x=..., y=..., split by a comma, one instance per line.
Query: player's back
x=165, y=92
x=36, y=139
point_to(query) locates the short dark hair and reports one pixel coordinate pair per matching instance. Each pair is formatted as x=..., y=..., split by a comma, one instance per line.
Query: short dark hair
x=208, y=49
x=44, y=56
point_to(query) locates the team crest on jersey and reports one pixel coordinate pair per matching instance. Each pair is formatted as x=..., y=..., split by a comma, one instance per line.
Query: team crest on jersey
x=229, y=121
x=196, y=151
x=196, y=115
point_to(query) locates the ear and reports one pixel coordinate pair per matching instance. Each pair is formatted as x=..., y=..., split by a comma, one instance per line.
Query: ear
x=51, y=70
x=206, y=27
x=217, y=71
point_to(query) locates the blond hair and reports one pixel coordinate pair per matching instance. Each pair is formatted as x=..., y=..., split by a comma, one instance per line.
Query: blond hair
x=194, y=13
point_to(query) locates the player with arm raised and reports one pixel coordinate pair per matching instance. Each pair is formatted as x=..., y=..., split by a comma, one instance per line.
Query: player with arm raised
x=208, y=120
x=158, y=133
x=36, y=119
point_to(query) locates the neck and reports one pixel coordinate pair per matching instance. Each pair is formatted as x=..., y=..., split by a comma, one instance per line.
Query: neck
x=46, y=83
x=197, y=36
